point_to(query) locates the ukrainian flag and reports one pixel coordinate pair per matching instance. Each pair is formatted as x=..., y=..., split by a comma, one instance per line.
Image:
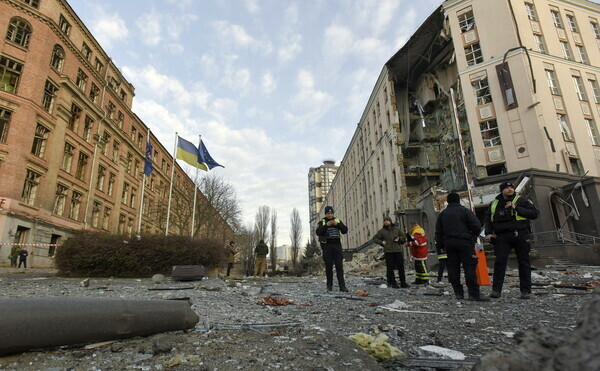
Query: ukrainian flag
x=188, y=152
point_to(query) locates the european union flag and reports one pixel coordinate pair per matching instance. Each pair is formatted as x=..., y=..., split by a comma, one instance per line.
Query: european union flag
x=188, y=152
x=205, y=157
x=148, y=161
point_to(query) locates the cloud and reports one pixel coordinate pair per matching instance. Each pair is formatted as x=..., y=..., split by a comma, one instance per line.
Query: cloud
x=252, y=6
x=269, y=84
x=291, y=47
x=309, y=104
x=159, y=28
x=238, y=36
x=108, y=28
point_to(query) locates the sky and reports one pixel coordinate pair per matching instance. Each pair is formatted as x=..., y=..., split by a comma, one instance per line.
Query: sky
x=274, y=87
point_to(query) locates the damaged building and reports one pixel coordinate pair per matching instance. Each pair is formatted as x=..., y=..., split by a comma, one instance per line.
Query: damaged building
x=483, y=92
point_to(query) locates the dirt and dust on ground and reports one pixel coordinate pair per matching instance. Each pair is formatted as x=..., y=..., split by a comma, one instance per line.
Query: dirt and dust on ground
x=293, y=323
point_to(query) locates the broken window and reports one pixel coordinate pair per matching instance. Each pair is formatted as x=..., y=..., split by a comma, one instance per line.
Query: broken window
x=76, y=198
x=129, y=161
x=132, y=197
x=111, y=110
x=122, y=219
x=579, y=88
x=564, y=127
x=94, y=93
x=552, y=82
x=112, y=178
x=10, y=72
x=19, y=32
x=98, y=65
x=490, y=134
x=104, y=141
x=531, y=11
x=106, y=218
x=73, y=120
x=33, y=3
x=556, y=19
x=96, y=213
x=120, y=119
x=115, y=152
x=86, y=51
x=101, y=177
x=58, y=57
x=61, y=199
x=125, y=193
x=4, y=123
x=466, y=21
x=482, y=92
x=123, y=95
x=81, y=166
x=576, y=166
x=38, y=147
x=473, y=54
x=81, y=81
x=87, y=128
x=49, y=96
x=592, y=131
x=30, y=187
x=67, y=159
x=64, y=25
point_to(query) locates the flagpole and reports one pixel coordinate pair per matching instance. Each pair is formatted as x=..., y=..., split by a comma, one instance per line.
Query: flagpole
x=144, y=176
x=171, y=186
x=194, y=207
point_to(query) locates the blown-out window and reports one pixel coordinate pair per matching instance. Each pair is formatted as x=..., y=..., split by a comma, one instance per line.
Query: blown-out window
x=19, y=32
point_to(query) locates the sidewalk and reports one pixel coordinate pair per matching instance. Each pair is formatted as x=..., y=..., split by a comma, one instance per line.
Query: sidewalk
x=33, y=271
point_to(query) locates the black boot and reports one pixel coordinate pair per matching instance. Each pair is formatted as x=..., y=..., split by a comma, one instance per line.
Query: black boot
x=343, y=288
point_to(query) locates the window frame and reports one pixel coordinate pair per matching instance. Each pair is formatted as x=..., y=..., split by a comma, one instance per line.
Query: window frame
x=32, y=181
x=19, y=32
x=40, y=139
x=473, y=54
x=5, y=118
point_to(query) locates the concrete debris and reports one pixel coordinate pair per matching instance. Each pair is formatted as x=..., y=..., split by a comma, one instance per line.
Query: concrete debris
x=272, y=301
x=85, y=283
x=444, y=352
x=158, y=278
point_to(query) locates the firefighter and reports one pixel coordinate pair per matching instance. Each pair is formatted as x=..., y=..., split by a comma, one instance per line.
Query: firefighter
x=507, y=226
x=417, y=241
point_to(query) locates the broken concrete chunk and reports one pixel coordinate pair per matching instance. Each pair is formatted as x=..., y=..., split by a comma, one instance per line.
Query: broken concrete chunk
x=445, y=352
x=32, y=323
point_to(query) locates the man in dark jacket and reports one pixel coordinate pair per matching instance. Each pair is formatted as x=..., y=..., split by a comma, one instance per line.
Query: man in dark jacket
x=456, y=232
x=330, y=231
x=23, y=254
x=260, y=264
x=507, y=227
x=391, y=238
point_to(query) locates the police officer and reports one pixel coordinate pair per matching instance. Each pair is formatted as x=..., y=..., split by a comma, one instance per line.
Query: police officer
x=507, y=226
x=456, y=232
x=330, y=232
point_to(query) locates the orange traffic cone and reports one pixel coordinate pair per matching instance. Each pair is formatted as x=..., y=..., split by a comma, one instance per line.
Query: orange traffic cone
x=483, y=278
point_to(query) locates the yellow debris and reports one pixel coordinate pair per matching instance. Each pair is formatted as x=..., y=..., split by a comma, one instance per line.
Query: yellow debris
x=378, y=348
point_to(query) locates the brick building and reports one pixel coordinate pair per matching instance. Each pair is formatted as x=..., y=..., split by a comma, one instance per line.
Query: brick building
x=72, y=152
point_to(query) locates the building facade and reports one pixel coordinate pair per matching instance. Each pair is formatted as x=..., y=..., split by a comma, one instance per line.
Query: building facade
x=319, y=181
x=72, y=152
x=507, y=88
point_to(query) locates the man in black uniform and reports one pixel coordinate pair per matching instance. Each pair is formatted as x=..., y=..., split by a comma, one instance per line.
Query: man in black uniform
x=506, y=227
x=456, y=232
x=330, y=232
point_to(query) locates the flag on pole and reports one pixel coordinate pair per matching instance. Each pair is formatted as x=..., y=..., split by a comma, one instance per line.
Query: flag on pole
x=205, y=157
x=148, y=161
x=188, y=152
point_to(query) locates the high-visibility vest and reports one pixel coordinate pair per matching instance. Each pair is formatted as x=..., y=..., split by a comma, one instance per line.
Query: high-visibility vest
x=514, y=201
x=323, y=239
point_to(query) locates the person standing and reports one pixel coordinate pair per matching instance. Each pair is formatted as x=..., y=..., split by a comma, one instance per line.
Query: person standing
x=231, y=251
x=390, y=237
x=442, y=262
x=330, y=231
x=456, y=232
x=14, y=255
x=417, y=241
x=23, y=254
x=260, y=252
x=507, y=226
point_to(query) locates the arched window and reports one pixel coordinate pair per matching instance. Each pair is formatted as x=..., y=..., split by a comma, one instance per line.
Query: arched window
x=58, y=57
x=19, y=31
x=33, y=3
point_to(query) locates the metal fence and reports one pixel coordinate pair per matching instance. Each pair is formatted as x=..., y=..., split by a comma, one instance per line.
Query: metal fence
x=562, y=237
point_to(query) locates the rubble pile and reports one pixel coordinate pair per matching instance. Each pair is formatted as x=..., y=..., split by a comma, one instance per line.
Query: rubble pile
x=239, y=328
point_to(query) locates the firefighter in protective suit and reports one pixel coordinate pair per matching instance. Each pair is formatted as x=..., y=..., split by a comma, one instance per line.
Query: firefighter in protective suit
x=507, y=226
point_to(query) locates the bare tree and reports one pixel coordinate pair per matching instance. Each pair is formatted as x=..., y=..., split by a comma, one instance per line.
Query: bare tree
x=261, y=223
x=222, y=196
x=246, y=241
x=273, y=239
x=295, y=235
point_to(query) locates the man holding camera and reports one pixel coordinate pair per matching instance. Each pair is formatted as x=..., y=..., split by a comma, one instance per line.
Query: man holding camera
x=330, y=231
